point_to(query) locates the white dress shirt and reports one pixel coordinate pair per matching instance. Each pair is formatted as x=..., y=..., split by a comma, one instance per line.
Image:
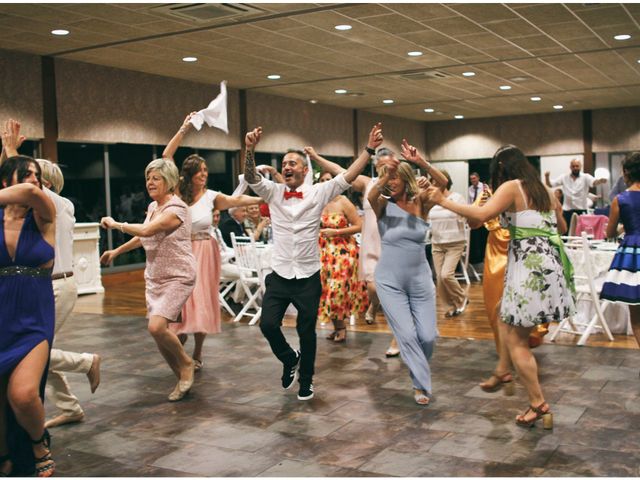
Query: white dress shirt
x=472, y=191
x=447, y=226
x=575, y=190
x=295, y=224
x=65, y=221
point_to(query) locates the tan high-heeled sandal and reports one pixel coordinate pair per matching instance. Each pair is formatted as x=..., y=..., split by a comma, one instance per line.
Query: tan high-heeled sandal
x=542, y=411
x=497, y=380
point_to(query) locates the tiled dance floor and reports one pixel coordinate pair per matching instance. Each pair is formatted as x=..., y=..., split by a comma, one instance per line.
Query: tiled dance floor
x=363, y=422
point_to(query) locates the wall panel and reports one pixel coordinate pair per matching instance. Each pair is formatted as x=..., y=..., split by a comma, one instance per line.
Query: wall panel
x=21, y=92
x=290, y=123
x=616, y=129
x=394, y=130
x=109, y=105
x=543, y=134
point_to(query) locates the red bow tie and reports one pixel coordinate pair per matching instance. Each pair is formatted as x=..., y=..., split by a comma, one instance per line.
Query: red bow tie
x=288, y=195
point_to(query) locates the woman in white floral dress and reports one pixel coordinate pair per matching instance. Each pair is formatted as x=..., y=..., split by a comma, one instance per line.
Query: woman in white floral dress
x=538, y=279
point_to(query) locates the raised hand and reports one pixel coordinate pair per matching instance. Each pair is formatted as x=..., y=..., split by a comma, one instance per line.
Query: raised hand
x=410, y=153
x=390, y=162
x=252, y=138
x=423, y=182
x=310, y=151
x=107, y=223
x=187, y=125
x=435, y=195
x=375, y=136
x=11, y=138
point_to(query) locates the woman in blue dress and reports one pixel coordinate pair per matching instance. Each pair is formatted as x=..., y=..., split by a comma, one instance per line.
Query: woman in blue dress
x=403, y=277
x=622, y=283
x=27, y=236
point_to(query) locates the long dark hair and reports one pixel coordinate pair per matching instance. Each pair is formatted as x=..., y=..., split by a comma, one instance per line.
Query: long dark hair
x=20, y=164
x=631, y=167
x=509, y=163
x=190, y=167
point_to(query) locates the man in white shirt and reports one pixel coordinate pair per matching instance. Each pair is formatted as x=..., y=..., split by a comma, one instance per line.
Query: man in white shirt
x=295, y=209
x=575, y=187
x=475, y=188
x=65, y=292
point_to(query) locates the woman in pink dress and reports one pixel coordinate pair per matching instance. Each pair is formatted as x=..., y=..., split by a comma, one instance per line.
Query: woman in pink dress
x=170, y=273
x=201, y=312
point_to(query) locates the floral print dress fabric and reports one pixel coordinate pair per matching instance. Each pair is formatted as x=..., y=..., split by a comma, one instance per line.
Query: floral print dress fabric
x=343, y=293
x=535, y=289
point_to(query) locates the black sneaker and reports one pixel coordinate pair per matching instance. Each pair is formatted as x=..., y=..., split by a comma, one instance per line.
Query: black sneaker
x=290, y=373
x=306, y=391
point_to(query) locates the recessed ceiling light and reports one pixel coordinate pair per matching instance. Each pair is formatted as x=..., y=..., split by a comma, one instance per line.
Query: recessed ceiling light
x=505, y=87
x=388, y=100
x=343, y=27
x=313, y=100
x=459, y=117
x=622, y=37
x=190, y=59
x=340, y=91
x=558, y=107
x=273, y=77
x=536, y=99
x=429, y=110
x=639, y=60
x=414, y=54
x=60, y=32
x=468, y=74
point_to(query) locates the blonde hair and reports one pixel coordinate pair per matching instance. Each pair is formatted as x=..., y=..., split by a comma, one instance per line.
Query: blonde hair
x=407, y=175
x=51, y=174
x=167, y=170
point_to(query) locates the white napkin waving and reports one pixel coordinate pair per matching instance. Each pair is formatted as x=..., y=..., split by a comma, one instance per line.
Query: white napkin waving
x=216, y=112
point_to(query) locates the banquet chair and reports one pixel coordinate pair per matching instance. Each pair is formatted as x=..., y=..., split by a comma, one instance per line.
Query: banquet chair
x=251, y=278
x=464, y=265
x=585, y=290
x=226, y=286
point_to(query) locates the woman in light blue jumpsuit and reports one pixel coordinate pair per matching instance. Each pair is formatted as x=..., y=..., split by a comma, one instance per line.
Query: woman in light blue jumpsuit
x=403, y=277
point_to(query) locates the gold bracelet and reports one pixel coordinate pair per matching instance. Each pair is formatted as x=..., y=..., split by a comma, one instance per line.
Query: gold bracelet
x=122, y=226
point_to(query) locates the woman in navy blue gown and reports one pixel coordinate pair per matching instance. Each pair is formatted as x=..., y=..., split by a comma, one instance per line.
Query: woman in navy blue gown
x=27, y=236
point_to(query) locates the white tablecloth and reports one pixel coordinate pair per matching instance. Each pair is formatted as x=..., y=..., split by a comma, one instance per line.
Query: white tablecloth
x=616, y=314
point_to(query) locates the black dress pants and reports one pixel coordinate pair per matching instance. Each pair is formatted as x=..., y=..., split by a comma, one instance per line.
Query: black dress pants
x=567, y=214
x=304, y=294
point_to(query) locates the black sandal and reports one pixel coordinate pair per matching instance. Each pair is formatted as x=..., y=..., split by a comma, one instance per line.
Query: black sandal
x=45, y=466
x=4, y=459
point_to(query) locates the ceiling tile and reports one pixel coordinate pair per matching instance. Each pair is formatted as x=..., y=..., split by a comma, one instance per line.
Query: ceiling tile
x=545, y=14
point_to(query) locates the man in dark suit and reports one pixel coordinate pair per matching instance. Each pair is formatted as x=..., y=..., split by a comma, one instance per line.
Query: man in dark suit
x=235, y=224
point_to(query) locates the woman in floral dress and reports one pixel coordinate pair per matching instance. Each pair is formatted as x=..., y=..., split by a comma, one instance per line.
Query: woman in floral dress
x=538, y=279
x=343, y=294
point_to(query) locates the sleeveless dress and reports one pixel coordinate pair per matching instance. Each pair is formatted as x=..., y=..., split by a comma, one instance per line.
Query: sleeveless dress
x=535, y=288
x=343, y=293
x=622, y=283
x=201, y=312
x=406, y=291
x=370, y=244
x=27, y=317
x=170, y=273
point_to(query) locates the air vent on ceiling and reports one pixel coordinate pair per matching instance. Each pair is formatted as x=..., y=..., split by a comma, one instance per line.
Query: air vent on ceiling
x=429, y=75
x=206, y=12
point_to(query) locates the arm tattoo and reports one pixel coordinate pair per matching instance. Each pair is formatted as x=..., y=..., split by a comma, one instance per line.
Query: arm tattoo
x=250, y=174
